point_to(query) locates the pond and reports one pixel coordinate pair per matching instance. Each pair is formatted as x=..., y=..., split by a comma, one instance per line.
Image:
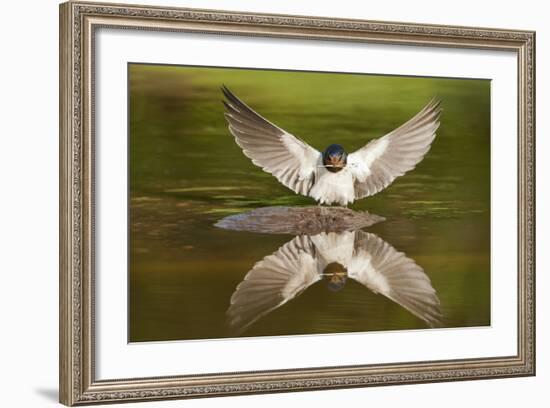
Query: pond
x=186, y=174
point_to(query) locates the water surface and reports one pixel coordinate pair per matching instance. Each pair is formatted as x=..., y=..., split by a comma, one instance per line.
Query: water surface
x=187, y=173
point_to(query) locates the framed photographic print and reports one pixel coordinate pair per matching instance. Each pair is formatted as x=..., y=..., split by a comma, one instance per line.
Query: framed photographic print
x=259, y=203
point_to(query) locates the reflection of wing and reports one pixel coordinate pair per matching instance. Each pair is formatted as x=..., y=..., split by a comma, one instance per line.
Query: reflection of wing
x=273, y=281
x=381, y=161
x=291, y=160
x=381, y=268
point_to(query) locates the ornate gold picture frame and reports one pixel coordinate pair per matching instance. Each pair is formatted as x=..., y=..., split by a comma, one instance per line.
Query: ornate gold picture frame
x=79, y=22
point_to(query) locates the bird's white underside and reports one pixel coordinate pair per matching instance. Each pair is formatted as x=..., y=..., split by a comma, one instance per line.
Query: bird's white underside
x=333, y=187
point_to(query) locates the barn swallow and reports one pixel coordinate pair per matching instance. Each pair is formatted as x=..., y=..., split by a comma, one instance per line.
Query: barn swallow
x=334, y=176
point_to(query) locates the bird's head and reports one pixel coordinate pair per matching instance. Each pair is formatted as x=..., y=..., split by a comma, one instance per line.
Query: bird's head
x=335, y=158
x=335, y=275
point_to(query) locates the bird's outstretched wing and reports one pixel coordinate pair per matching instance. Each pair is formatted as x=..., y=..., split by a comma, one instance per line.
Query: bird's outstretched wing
x=381, y=268
x=291, y=160
x=381, y=161
x=272, y=282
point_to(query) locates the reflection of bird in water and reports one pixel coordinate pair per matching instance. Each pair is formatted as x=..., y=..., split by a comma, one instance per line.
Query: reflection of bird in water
x=332, y=176
x=356, y=255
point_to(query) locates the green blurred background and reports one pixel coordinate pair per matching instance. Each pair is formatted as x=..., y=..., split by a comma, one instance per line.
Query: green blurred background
x=186, y=173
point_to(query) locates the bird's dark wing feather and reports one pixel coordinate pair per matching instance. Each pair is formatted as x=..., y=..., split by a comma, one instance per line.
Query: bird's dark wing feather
x=381, y=161
x=292, y=161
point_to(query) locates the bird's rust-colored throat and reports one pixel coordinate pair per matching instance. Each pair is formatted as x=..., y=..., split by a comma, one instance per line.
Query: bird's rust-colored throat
x=334, y=164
